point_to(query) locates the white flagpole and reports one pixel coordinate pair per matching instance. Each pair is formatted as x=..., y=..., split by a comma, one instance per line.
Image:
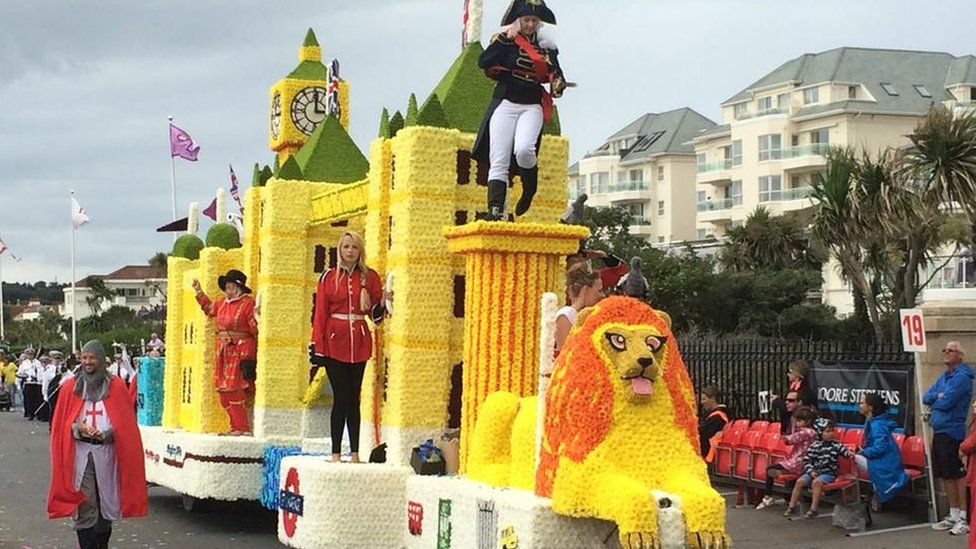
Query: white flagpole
x=74, y=292
x=172, y=165
x=3, y=334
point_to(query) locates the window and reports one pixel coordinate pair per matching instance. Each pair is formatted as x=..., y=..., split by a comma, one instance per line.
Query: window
x=660, y=207
x=972, y=93
x=811, y=95
x=637, y=212
x=794, y=181
x=702, y=234
x=740, y=110
x=621, y=177
x=701, y=196
x=702, y=158
x=660, y=173
x=600, y=182
x=820, y=137
x=889, y=89
x=783, y=100
x=660, y=240
x=737, y=152
x=770, y=146
x=727, y=153
x=637, y=176
x=794, y=140
x=852, y=92
x=735, y=189
x=770, y=188
x=765, y=103
x=922, y=90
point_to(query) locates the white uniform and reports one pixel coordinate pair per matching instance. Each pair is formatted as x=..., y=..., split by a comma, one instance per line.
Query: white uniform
x=121, y=370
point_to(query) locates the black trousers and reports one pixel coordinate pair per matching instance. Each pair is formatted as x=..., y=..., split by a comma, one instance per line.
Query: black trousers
x=347, y=382
x=32, y=399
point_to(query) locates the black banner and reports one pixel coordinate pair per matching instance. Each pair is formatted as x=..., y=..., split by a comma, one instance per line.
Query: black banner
x=840, y=387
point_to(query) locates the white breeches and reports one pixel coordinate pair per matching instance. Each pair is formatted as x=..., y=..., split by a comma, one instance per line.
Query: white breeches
x=513, y=127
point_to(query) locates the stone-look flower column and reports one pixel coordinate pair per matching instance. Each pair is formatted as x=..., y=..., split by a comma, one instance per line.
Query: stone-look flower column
x=508, y=268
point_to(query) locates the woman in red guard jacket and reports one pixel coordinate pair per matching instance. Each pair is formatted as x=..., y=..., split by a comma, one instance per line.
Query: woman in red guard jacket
x=341, y=341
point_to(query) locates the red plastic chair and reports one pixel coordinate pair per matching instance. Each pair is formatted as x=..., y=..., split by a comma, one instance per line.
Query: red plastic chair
x=839, y=433
x=762, y=455
x=724, y=452
x=759, y=425
x=852, y=438
x=744, y=455
x=740, y=425
x=779, y=450
x=774, y=427
x=847, y=475
x=899, y=439
x=913, y=456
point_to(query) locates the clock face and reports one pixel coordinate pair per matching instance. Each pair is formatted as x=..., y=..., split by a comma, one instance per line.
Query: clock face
x=308, y=108
x=276, y=115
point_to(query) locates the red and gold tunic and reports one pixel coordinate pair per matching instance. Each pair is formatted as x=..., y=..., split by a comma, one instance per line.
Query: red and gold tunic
x=237, y=332
x=339, y=329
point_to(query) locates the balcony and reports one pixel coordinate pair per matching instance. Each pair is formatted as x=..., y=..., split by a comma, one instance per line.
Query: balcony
x=716, y=173
x=715, y=166
x=640, y=225
x=778, y=202
x=805, y=157
x=628, y=191
x=761, y=113
x=718, y=211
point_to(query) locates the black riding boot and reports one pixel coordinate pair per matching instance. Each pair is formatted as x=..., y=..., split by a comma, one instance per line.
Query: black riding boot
x=496, y=199
x=88, y=539
x=530, y=181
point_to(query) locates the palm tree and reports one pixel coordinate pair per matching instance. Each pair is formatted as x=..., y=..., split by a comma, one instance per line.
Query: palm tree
x=843, y=223
x=765, y=241
x=99, y=293
x=942, y=157
x=158, y=260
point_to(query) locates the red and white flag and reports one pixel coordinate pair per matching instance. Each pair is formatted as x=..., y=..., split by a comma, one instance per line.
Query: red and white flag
x=78, y=215
x=235, y=191
x=4, y=249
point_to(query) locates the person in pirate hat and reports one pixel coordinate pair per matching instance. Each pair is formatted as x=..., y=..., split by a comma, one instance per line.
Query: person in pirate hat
x=237, y=331
x=520, y=63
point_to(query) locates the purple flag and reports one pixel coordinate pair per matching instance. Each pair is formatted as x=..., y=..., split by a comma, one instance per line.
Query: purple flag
x=211, y=210
x=182, y=145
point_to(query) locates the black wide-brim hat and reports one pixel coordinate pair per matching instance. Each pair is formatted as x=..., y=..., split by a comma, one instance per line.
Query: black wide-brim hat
x=521, y=8
x=236, y=277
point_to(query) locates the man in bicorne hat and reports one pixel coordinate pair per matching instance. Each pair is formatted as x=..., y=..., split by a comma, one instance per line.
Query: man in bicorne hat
x=97, y=469
x=31, y=375
x=237, y=332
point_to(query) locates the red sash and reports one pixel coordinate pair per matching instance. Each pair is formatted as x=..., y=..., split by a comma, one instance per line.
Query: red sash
x=540, y=68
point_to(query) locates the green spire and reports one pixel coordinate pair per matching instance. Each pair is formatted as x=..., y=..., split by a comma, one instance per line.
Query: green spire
x=411, y=119
x=385, y=124
x=266, y=174
x=310, y=39
x=464, y=92
x=275, y=166
x=552, y=127
x=432, y=114
x=396, y=123
x=256, y=175
x=331, y=156
x=291, y=170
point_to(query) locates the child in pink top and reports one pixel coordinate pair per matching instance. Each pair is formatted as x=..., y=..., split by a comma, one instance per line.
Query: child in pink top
x=799, y=442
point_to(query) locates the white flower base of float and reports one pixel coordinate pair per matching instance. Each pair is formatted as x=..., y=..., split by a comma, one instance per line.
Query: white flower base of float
x=485, y=516
x=342, y=505
x=204, y=465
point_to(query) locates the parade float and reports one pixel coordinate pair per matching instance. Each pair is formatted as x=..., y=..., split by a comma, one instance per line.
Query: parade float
x=469, y=328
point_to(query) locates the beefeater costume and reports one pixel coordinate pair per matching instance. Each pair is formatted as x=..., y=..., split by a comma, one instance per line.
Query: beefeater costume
x=520, y=105
x=237, y=332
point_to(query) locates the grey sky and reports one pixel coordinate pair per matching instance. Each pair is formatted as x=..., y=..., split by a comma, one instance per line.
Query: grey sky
x=86, y=87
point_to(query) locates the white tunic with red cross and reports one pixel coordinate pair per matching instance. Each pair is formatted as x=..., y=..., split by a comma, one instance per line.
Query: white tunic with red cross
x=103, y=456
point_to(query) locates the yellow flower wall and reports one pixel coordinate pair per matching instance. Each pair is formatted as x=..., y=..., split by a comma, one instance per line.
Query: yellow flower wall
x=176, y=333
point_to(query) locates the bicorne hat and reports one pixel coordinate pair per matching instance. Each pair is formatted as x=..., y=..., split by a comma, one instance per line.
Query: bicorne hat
x=236, y=277
x=521, y=8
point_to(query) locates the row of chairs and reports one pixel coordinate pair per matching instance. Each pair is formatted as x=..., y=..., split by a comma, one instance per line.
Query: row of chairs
x=746, y=449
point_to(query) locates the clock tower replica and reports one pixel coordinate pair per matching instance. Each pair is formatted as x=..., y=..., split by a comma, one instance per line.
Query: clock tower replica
x=299, y=101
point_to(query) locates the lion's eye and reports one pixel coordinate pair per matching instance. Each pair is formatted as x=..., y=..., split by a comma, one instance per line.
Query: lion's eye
x=617, y=341
x=654, y=343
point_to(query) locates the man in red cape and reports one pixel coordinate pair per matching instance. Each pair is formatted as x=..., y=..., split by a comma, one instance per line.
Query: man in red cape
x=97, y=469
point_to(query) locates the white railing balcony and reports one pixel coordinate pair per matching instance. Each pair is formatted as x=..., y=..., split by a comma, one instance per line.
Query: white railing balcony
x=950, y=272
x=721, y=204
x=715, y=166
x=640, y=221
x=762, y=112
x=813, y=149
x=628, y=186
x=796, y=193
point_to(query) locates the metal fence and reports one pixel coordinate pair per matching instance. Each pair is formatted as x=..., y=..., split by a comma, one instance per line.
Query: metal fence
x=741, y=368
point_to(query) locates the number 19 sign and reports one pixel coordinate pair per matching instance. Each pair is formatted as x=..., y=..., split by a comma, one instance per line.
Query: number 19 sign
x=912, y=330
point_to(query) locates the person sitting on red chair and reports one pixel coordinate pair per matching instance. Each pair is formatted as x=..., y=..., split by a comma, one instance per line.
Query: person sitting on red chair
x=716, y=417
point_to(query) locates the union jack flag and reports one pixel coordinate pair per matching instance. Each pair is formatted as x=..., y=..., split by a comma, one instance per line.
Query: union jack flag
x=332, y=92
x=4, y=249
x=234, y=189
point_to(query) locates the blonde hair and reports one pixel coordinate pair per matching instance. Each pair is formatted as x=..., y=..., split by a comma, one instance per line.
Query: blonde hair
x=358, y=240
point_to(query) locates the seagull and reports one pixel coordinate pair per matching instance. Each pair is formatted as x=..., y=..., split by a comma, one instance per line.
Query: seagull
x=574, y=213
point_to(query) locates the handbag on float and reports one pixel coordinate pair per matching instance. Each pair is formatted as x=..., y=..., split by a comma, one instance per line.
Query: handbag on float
x=249, y=369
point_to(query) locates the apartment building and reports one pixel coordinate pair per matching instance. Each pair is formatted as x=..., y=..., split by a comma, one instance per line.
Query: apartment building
x=647, y=167
x=770, y=146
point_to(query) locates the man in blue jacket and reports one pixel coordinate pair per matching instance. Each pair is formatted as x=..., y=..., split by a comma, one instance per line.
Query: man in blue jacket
x=949, y=400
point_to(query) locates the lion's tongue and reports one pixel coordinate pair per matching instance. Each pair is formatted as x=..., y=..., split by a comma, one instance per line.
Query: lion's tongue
x=641, y=385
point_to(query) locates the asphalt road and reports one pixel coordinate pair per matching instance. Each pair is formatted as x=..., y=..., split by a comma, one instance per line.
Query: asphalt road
x=24, y=478
x=24, y=475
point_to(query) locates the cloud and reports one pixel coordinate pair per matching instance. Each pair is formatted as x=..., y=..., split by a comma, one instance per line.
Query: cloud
x=86, y=88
